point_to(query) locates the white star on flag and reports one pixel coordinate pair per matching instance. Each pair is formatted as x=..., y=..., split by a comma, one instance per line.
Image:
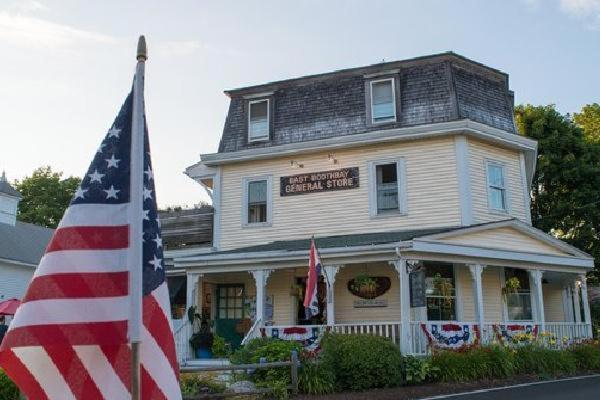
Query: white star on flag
x=111, y=193
x=149, y=173
x=95, y=176
x=147, y=193
x=100, y=148
x=156, y=262
x=114, y=132
x=146, y=216
x=158, y=241
x=112, y=162
x=80, y=192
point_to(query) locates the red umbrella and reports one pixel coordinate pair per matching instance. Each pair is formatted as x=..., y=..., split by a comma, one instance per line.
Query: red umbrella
x=9, y=307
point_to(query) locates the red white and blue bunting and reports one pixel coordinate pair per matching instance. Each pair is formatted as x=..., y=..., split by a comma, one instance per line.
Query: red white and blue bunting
x=309, y=337
x=451, y=336
x=508, y=332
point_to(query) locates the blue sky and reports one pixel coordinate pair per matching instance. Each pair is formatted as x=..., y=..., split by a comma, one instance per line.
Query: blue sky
x=67, y=65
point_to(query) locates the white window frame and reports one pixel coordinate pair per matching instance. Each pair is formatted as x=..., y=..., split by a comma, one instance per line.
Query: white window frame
x=262, y=138
x=402, y=191
x=488, y=164
x=386, y=121
x=245, y=182
x=458, y=304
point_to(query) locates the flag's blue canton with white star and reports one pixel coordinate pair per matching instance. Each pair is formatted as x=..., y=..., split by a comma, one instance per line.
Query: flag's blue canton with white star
x=107, y=179
x=107, y=182
x=154, y=271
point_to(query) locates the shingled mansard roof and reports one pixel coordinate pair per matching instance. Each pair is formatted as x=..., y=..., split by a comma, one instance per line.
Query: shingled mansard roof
x=24, y=242
x=6, y=188
x=431, y=89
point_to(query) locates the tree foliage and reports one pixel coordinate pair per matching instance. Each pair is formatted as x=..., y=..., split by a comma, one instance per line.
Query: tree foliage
x=589, y=120
x=566, y=184
x=46, y=196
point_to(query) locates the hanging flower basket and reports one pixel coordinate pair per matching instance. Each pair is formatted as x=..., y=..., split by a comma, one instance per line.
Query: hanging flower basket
x=369, y=287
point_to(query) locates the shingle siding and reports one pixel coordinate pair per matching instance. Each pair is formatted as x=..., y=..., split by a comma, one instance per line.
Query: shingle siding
x=431, y=90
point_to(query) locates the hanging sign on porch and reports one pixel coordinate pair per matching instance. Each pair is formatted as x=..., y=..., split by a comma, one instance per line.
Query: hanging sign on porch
x=314, y=182
x=370, y=303
x=417, y=289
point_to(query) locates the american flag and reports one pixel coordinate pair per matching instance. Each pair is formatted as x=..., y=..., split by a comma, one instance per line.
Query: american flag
x=69, y=338
x=311, y=302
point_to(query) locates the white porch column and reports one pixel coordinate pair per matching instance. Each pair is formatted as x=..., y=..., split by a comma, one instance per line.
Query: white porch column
x=330, y=273
x=405, y=329
x=535, y=276
x=260, y=278
x=476, y=271
x=191, y=293
x=586, y=305
x=576, y=304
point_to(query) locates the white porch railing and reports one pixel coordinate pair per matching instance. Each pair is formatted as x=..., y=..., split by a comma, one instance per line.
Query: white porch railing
x=392, y=330
x=182, y=335
x=387, y=329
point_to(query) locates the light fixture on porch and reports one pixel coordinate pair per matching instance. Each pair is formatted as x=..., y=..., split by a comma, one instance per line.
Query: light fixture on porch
x=296, y=164
x=331, y=158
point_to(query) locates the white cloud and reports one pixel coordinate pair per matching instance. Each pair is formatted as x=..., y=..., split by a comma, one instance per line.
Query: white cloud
x=586, y=10
x=32, y=31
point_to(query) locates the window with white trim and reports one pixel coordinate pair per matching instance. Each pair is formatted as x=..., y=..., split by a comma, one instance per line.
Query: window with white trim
x=388, y=187
x=440, y=291
x=496, y=180
x=257, y=201
x=258, y=120
x=383, y=101
x=518, y=297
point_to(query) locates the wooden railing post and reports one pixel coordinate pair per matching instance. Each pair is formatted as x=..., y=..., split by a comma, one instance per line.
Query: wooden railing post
x=294, y=370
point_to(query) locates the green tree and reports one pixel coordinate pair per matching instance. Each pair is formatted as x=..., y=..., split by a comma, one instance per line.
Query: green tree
x=589, y=120
x=46, y=196
x=566, y=184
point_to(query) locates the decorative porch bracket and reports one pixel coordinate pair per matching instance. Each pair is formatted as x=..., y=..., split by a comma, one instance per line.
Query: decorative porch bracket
x=476, y=272
x=260, y=278
x=330, y=273
x=535, y=275
x=586, y=305
x=405, y=332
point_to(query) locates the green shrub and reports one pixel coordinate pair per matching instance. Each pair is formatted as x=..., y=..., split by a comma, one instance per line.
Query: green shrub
x=544, y=362
x=418, y=370
x=8, y=390
x=219, y=347
x=315, y=378
x=191, y=384
x=361, y=362
x=473, y=364
x=587, y=357
x=277, y=379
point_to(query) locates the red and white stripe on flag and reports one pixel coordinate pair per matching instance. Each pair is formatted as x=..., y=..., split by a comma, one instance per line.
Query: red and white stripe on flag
x=69, y=338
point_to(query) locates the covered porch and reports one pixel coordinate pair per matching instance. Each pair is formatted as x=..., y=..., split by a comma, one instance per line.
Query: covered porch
x=397, y=285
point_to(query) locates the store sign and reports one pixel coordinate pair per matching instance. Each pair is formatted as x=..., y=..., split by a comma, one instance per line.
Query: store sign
x=417, y=289
x=314, y=182
x=370, y=303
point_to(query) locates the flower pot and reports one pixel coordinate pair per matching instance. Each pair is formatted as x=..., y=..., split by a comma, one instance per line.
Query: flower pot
x=203, y=353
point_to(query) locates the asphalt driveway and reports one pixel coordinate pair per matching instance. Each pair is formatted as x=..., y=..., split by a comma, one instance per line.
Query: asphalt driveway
x=579, y=389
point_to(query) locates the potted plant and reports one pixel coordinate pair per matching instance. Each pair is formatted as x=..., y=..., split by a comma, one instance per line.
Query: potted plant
x=512, y=286
x=202, y=341
x=444, y=288
x=364, y=285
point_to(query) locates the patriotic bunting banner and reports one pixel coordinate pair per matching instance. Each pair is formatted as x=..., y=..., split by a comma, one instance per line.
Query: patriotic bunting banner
x=309, y=337
x=451, y=336
x=508, y=333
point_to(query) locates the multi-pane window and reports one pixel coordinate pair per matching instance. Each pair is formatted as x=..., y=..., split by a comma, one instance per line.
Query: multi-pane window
x=518, y=300
x=231, y=302
x=383, y=102
x=496, y=187
x=387, y=187
x=440, y=291
x=258, y=120
x=257, y=201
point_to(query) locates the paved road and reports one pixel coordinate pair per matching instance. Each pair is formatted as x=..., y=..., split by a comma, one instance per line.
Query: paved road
x=581, y=389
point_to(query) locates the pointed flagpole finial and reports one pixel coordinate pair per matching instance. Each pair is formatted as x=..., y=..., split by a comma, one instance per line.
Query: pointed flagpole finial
x=142, y=50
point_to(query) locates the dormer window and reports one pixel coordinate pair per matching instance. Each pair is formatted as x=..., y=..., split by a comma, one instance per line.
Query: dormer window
x=383, y=101
x=258, y=120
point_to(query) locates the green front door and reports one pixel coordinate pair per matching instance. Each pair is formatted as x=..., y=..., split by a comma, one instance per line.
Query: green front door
x=230, y=313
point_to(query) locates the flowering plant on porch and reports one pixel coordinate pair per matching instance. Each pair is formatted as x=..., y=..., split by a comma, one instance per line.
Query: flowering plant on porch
x=365, y=285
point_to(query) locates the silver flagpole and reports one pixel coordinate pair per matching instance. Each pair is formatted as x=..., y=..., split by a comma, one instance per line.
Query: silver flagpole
x=137, y=218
